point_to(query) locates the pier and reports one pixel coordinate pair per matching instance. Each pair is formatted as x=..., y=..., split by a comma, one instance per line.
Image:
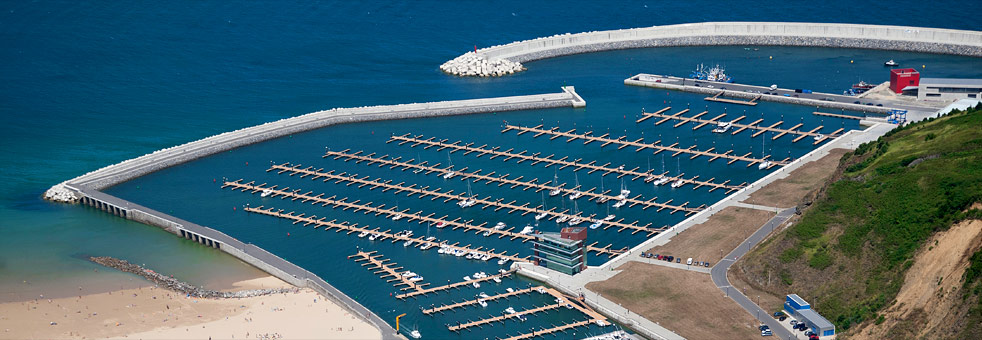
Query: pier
x=716, y=98
x=448, y=196
x=502, y=318
x=386, y=270
x=639, y=144
x=454, y=285
x=503, y=180
x=419, y=216
x=753, y=126
x=383, y=235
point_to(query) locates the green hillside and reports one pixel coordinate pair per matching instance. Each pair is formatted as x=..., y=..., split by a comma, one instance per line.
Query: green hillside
x=850, y=248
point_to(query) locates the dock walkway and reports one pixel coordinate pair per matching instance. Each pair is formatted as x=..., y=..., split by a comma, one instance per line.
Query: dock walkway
x=754, y=126
x=386, y=269
x=716, y=98
x=562, y=163
x=454, y=285
x=383, y=235
x=503, y=180
x=419, y=216
x=447, y=196
x=640, y=145
x=441, y=309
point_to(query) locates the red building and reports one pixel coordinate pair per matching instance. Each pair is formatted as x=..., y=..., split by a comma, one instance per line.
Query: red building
x=903, y=77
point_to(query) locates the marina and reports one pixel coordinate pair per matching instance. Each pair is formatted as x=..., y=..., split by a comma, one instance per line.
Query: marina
x=504, y=179
x=367, y=208
x=561, y=163
x=641, y=145
x=423, y=192
x=388, y=270
x=471, y=282
x=754, y=126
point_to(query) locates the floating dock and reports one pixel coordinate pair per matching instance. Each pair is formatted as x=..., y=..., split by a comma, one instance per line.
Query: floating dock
x=505, y=180
x=454, y=285
x=640, y=145
x=448, y=196
x=716, y=98
x=419, y=217
x=836, y=115
x=562, y=163
x=501, y=318
x=387, y=270
x=455, y=305
x=754, y=126
x=383, y=235
x=593, y=317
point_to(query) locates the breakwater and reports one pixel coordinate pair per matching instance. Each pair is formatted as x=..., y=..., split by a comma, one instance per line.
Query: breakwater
x=880, y=37
x=179, y=286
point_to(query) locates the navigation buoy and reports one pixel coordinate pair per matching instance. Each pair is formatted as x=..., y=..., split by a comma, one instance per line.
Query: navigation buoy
x=247, y=163
x=850, y=61
x=771, y=57
x=233, y=208
x=213, y=180
x=287, y=234
x=373, y=132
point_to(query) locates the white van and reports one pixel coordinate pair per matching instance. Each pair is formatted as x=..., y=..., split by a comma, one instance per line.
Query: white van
x=689, y=261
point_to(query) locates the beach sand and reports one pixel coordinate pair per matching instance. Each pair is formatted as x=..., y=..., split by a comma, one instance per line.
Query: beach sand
x=155, y=313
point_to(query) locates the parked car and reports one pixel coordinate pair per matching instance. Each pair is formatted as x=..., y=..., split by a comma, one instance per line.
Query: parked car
x=766, y=333
x=794, y=323
x=856, y=102
x=678, y=260
x=778, y=314
x=782, y=318
x=879, y=104
x=706, y=264
x=813, y=337
x=689, y=261
x=763, y=327
x=809, y=333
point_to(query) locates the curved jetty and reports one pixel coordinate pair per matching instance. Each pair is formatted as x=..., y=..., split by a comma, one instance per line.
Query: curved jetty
x=879, y=37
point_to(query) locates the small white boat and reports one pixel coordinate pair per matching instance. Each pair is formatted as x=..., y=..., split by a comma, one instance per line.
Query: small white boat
x=408, y=243
x=502, y=262
x=609, y=218
x=541, y=215
x=819, y=137
x=555, y=192
x=408, y=274
x=562, y=219
x=486, y=233
x=575, y=221
x=601, y=323
x=407, y=233
x=362, y=234
x=497, y=279
x=662, y=180
x=476, y=285
x=891, y=63
x=722, y=127
x=678, y=183
x=510, y=310
x=596, y=225
x=266, y=193
x=425, y=246
x=397, y=217
x=764, y=165
x=441, y=250
x=459, y=253
x=569, y=306
x=373, y=237
x=431, y=238
x=416, y=278
x=527, y=230
x=500, y=225
x=483, y=295
x=510, y=290
x=467, y=278
x=620, y=203
x=575, y=195
x=467, y=202
x=602, y=199
x=469, y=256
x=449, y=174
x=441, y=225
x=415, y=334
x=482, y=303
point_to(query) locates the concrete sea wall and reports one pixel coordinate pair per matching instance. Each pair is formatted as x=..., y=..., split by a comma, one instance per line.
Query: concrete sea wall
x=880, y=37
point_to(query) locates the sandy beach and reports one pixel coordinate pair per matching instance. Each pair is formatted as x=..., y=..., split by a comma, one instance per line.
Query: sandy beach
x=155, y=313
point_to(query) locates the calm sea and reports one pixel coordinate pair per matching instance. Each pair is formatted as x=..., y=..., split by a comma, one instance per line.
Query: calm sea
x=86, y=85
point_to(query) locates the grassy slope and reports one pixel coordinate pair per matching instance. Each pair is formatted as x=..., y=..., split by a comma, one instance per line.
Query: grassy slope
x=849, y=251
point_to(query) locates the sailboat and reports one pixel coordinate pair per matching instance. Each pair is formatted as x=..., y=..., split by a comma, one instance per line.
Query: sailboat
x=469, y=201
x=663, y=179
x=542, y=214
x=450, y=173
x=678, y=169
x=603, y=198
x=624, y=191
x=562, y=219
x=576, y=194
x=419, y=169
x=555, y=181
x=765, y=164
x=576, y=219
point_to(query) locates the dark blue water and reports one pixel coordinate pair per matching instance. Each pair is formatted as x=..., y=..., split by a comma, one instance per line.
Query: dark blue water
x=86, y=85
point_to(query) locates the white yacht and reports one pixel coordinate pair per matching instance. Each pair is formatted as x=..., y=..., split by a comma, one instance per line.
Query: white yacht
x=620, y=203
x=609, y=218
x=722, y=127
x=764, y=165
x=596, y=224
x=362, y=234
x=527, y=230
x=510, y=310
x=678, y=183
x=482, y=303
x=500, y=225
x=541, y=215
x=662, y=180
x=266, y=193
x=449, y=174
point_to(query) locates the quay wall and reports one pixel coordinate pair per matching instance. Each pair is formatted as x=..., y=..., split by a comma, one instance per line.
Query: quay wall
x=127, y=170
x=881, y=37
x=744, y=95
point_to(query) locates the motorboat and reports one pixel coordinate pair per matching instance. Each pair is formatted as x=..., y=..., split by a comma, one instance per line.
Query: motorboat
x=426, y=246
x=891, y=63
x=527, y=230
x=467, y=278
x=678, y=183
x=510, y=290
x=482, y=303
x=609, y=218
x=620, y=203
x=596, y=224
x=266, y=193
x=722, y=127
x=764, y=165
x=476, y=285
x=467, y=202
x=510, y=310
x=497, y=279
x=449, y=174
x=397, y=217
x=373, y=237
x=430, y=238
x=415, y=334
x=541, y=215
x=500, y=225
x=575, y=221
x=483, y=295
x=502, y=262
x=662, y=180
x=362, y=234
x=416, y=278
x=555, y=192
x=486, y=233
x=441, y=225
x=407, y=243
x=819, y=137
x=408, y=274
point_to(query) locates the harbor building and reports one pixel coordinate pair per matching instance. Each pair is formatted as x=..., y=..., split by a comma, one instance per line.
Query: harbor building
x=902, y=78
x=947, y=89
x=564, y=252
x=800, y=309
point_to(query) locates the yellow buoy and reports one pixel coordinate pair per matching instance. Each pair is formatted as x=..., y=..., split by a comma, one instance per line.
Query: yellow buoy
x=850, y=61
x=772, y=57
x=922, y=66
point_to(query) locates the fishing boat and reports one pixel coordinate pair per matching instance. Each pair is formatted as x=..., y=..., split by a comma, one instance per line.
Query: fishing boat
x=715, y=73
x=266, y=193
x=891, y=63
x=722, y=127
x=858, y=88
x=510, y=290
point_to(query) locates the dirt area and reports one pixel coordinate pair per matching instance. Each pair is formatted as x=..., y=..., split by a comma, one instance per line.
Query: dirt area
x=788, y=191
x=931, y=293
x=723, y=231
x=685, y=302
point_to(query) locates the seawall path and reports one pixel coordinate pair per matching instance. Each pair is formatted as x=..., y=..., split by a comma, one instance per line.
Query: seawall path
x=880, y=37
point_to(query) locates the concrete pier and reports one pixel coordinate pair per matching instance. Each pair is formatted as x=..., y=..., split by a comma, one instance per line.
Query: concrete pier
x=879, y=37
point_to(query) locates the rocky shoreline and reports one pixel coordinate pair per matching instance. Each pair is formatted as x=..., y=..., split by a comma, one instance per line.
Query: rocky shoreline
x=176, y=285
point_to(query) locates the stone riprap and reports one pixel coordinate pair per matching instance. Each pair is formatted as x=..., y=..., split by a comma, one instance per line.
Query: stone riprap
x=881, y=37
x=474, y=65
x=170, y=283
x=126, y=170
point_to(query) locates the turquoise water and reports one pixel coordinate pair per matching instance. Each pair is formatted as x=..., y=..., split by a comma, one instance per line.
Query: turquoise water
x=90, y=85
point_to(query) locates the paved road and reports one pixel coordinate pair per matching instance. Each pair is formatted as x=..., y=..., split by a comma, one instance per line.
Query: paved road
x=720, y=280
